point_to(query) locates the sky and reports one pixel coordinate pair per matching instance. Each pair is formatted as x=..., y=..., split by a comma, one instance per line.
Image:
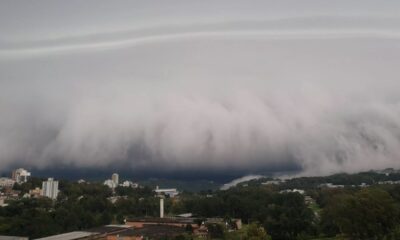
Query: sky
x=213, y=87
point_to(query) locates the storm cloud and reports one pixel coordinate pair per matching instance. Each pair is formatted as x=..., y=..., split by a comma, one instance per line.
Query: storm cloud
x=188, y=85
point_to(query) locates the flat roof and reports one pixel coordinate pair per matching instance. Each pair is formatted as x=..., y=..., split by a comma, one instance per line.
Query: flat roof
x=152, y=231
x=69, y=236
x=13, y=238
x=109, y=229
x=162, y=220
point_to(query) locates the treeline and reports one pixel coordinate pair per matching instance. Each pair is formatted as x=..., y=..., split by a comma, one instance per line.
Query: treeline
x=369, y=213
x=350, y=213
x=369, y=178
x=342, y=213
x=285, y=216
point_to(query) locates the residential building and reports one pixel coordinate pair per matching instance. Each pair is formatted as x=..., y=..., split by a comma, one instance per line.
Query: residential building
x=20, y=175
x=35, y=193
x=330, y=185
x=50, y=188
x=6, y=182
x=129, y=184
x=113, y=182
x=9, y=193
x=110, y=183
x=81, y=181
x=115, y=178
x=300, y=191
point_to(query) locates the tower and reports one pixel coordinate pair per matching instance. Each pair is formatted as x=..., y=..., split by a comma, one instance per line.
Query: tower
x=115, y=178
x=161, y=207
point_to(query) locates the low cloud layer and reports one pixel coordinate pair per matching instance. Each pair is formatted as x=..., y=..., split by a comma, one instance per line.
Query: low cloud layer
x=241, y=95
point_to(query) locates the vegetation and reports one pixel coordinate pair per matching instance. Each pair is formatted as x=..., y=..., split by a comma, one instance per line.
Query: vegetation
x=351, y=212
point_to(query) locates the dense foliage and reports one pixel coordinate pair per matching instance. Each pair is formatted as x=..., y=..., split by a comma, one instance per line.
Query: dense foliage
x=352, y=212
x=284, y=215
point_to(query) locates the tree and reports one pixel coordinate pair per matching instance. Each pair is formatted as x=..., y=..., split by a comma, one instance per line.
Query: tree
x=215, y=230
x=287, y=217
x=256, y=232
x=368, y=214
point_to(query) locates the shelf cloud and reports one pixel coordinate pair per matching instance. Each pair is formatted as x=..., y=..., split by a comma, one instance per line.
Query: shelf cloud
x=228, y=88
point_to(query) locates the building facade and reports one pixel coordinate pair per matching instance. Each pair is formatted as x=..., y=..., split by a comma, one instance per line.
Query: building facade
x=110, y=183
x=50, y=188
x=6, y=182
x=20, y=175
x=115, y=178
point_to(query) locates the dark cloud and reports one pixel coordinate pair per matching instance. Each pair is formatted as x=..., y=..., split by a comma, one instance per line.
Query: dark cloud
x=310, y=98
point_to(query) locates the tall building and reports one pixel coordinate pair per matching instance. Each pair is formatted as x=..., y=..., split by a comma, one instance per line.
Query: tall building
x=115, y=178
x=50, y=188
x=20, y=175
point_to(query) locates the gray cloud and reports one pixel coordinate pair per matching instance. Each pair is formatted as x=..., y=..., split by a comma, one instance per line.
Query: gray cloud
x=238, y=94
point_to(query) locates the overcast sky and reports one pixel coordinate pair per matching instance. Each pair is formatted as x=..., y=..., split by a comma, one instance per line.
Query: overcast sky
x=244, y=86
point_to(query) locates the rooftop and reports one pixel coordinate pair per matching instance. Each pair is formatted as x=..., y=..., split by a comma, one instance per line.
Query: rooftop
x=12, y=238
x=70, y=236
x=153, y=231
x=162, y=220
x=108, y=229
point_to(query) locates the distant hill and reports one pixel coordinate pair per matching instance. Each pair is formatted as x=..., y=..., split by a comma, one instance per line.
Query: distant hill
x=367, y=178
x=191, y=186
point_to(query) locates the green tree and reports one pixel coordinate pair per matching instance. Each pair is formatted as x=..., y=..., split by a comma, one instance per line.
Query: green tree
x=215, y=230
x=368, y=214
x=287, y=217
x=256, y=232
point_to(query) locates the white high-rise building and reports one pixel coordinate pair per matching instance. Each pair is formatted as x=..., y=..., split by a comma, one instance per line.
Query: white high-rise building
x=110, y=183
x=115, y=178
x=50, y=188
x=20, y=175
